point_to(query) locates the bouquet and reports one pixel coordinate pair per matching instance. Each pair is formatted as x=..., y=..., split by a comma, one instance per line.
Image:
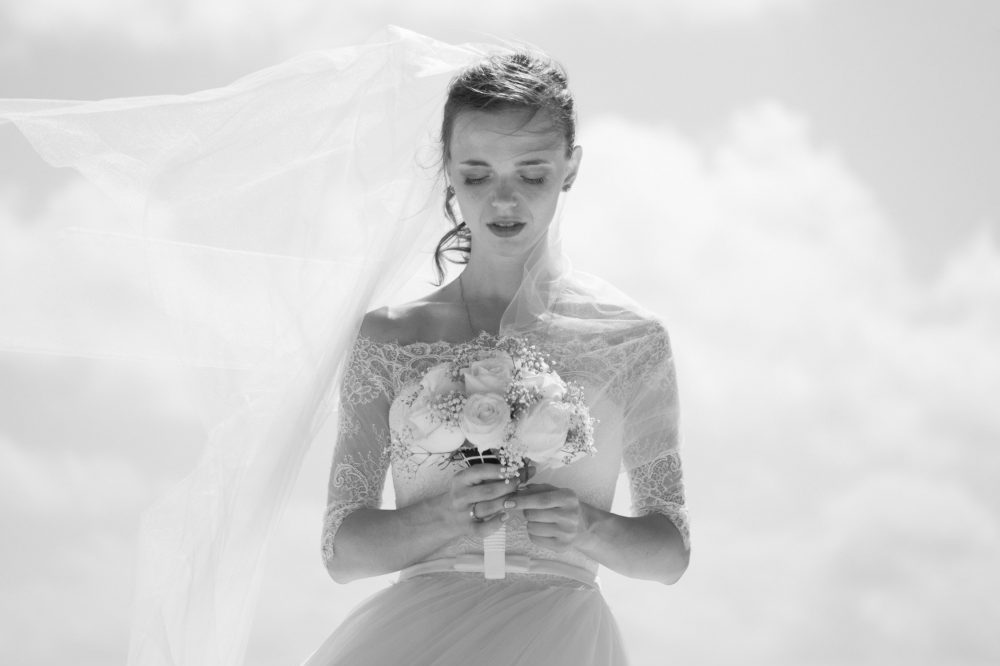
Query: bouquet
x=497, y=400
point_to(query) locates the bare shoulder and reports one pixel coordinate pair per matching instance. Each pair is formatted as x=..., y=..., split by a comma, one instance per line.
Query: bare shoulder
x=378, y=326
x=391, y=324
x=421, y=320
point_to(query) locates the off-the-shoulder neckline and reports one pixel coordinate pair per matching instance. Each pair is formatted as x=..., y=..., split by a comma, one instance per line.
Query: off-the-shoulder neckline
x=415, y=343
x=423, y=343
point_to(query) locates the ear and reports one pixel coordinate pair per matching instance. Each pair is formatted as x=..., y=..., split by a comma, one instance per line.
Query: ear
x=574, y=168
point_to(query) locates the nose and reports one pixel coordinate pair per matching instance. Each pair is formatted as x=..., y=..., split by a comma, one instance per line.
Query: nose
x=503, y=198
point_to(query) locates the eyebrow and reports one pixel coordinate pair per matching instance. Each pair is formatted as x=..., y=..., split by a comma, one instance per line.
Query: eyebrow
x=534, y=162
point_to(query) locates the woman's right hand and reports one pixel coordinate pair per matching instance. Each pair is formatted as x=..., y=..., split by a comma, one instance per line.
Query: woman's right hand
x=478, y=488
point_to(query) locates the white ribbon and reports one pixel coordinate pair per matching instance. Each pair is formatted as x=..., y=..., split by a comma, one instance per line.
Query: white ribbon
x=494, y=548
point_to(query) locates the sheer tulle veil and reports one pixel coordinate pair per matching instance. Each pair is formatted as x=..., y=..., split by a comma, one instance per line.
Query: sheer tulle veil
x=257, y=223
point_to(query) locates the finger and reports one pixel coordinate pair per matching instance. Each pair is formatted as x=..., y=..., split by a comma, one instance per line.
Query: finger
x=475, y=474
x=488, y=525
x=532, y=488
x=545, y=499
x=549, y=530
x=487, y=491
x=551, y=516
x=492, y=506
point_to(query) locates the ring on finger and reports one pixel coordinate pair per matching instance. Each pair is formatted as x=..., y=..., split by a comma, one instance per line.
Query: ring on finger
x=472, y=513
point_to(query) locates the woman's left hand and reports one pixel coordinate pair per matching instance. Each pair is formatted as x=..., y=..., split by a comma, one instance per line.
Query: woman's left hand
x=556, y=518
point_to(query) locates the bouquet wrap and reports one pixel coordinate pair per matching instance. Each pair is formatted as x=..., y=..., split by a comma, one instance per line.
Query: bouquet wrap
x=494, y=545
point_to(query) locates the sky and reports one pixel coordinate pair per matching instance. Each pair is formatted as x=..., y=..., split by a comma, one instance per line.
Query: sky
x=802, y=189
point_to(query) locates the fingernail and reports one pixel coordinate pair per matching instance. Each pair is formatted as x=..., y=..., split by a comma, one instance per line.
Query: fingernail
x=504, y=516
x=509, y=504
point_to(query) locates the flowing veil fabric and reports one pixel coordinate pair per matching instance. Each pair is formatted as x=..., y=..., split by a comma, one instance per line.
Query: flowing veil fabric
x=259, y=221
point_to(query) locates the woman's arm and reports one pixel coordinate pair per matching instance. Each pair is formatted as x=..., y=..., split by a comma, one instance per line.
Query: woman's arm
x=649, y=547
x=371, y=542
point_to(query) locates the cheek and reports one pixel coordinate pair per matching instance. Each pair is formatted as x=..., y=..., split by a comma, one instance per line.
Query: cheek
x=468, y=201
x=543, y=199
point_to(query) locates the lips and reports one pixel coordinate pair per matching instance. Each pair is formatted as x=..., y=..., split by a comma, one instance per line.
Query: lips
x=505, y=227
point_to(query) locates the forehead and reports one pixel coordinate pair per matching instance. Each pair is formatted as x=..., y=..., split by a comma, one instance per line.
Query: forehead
x=495, y=136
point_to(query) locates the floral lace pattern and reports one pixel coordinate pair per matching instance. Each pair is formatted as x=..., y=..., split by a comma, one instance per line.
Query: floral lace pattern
x=359, y=477
x=659, y=487
x=637, y=429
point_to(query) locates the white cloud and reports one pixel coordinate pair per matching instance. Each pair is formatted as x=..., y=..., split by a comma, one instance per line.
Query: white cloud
x=68, y=518
x=812, y=367
x=155, y=23
x=837, y=413
x=914, y=572
x=70, y=485
x=230, y=24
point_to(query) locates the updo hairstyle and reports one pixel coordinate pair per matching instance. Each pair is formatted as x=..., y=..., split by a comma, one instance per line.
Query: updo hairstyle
x=519, y=80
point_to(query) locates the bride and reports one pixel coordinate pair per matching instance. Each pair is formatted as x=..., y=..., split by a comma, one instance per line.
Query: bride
x=257, y=224
x=509, y=154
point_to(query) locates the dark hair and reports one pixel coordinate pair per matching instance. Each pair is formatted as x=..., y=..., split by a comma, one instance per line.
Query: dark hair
x=520, y=80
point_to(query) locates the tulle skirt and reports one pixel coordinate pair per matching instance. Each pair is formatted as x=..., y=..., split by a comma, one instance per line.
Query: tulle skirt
x=456, y=619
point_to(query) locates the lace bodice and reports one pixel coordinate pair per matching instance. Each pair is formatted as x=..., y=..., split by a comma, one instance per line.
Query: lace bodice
x=637, y=430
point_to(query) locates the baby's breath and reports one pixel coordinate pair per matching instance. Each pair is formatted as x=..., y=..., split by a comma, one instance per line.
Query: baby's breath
x=520, y=397
x=447, y=407
x=401, y=456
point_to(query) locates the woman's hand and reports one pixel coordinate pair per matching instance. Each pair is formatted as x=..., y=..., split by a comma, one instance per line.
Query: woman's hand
x=556, y=518
x=474, y=504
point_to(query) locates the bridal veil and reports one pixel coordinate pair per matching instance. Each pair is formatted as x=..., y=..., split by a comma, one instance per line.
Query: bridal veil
x=258, y=222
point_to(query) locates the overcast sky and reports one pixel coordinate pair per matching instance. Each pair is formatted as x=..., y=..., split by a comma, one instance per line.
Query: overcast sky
x=805, y=190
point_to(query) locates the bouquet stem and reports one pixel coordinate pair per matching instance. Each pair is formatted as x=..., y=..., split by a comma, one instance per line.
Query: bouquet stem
x=494, y=554
x=494, y=545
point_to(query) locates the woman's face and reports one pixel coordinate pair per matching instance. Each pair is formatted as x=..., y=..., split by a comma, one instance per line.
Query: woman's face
x=508, y=168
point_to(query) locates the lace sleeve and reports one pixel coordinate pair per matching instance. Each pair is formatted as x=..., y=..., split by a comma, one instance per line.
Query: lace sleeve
x=651, y=453
x=361, y=456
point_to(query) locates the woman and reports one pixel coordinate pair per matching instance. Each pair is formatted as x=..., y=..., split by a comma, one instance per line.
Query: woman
x=243, y=213
x=509, y=153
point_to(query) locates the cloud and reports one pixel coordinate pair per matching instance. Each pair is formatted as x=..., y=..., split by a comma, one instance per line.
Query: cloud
x=839, y=431
x=68, y=520
x=914, y=571
x=812, y=368
x=154, y=24
x=231, y=24
x=67, y=482
x=697, y=12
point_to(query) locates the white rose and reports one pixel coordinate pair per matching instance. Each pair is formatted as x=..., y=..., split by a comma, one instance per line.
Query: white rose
x=547, y=383
x=484, y=420
x=489, y=375
x=422, y=430
x=437, y=380
x=542, y=430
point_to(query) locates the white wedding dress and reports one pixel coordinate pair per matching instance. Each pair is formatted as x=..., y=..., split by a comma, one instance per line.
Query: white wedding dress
x=433, y=615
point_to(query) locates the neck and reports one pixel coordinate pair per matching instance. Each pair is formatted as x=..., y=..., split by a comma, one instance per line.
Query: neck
x=487, y=287
x=491, y=278
x=495, y=280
